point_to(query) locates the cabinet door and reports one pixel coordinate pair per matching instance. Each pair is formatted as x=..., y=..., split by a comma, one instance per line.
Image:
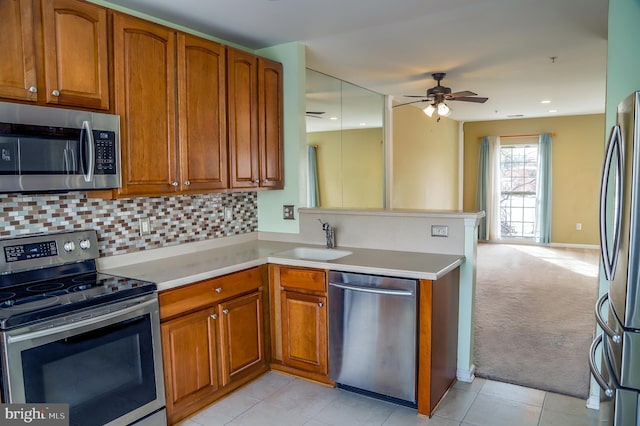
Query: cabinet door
x=202, y=114
x=75, y=53
x=304, y=331
x=144, y=64
x=241, y=336
x=18, y=64
x=271, y=124
x=242, y=112
x=190, y=362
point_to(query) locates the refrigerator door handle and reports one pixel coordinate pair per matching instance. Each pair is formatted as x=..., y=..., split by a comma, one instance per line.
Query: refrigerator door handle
x=613, y=158
x=615, y=337
x=594, y=369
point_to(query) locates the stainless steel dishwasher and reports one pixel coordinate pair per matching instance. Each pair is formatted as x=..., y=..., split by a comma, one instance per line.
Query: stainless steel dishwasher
x=372, y=335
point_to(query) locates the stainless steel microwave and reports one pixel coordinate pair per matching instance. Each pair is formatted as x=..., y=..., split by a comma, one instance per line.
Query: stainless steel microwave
x=57, y=150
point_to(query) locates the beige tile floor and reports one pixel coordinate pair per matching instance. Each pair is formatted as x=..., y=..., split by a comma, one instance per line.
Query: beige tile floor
x=278, y=399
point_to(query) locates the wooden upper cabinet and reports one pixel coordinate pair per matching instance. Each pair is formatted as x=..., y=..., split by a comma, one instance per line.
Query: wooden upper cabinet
x=75, y=53
x=54, y=52
x=270, y=114
x=242, y=84
x=202, y=114
x=145, y=98
x=18, y=64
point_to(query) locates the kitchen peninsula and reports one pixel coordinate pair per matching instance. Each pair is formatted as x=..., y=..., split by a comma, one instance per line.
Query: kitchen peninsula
x=228, y=279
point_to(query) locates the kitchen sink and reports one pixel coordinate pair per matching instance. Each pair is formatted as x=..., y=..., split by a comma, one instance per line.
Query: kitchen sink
x=313, y=253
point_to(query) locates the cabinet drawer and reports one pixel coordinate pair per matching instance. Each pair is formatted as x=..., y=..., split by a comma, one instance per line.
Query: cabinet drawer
x=303, y=279
x=193, y=296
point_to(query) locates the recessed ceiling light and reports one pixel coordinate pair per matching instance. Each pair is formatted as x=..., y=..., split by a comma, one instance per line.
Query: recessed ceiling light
x=363, y=124
x=546, y=101
x=333, y=118
x=553, y=110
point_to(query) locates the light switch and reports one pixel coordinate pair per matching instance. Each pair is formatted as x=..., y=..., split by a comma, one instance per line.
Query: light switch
x=144, y=226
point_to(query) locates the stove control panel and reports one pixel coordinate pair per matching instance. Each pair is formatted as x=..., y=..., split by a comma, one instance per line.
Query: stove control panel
x=36, y=251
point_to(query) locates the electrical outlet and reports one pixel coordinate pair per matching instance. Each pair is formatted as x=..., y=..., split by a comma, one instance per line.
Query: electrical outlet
x=578, y=227
x=439, y=231
x=144, y=228
x=228, y=213
x=288, y=212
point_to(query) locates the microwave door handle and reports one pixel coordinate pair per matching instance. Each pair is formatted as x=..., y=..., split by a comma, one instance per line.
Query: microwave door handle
x=609, y=254
x=90, y=151
x=65, y=160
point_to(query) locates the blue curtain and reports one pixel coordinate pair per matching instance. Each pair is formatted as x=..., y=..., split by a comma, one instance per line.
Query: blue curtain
x=313, y=197
x=482, y=189
x=543, y=205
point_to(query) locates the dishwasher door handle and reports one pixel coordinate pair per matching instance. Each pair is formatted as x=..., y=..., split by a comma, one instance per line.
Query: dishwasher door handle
x=373, y=290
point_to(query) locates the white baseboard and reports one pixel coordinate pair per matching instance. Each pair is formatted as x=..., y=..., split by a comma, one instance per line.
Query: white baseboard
x=593, y=402
x=466, y=375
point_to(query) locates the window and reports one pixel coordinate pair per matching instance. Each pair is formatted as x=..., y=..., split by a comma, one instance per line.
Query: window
x=518, y=178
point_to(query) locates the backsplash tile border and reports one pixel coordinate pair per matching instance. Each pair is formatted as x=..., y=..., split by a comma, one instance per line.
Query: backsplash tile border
x=173, y=219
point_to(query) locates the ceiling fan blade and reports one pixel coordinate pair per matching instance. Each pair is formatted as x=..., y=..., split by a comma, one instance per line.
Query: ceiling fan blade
x=412, y=102
x=476, y=99
x=315, y=112
x=414, y=96
x=462, y=94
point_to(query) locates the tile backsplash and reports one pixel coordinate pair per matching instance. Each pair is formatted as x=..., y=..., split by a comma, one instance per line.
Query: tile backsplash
x=173, y=219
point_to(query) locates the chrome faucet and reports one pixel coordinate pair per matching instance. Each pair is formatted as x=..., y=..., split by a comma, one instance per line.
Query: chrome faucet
x=329, y=233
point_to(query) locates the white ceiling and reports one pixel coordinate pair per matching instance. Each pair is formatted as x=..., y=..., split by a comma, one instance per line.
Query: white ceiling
x=499, y=49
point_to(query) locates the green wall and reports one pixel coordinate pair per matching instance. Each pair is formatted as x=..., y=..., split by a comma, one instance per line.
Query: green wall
x=292, y=57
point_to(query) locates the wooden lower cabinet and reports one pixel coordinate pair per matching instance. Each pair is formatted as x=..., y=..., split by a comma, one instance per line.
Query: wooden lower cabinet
x=214, y=343
x=304, y=331
x=190, y=357
x=299, y=322
x=437, y=340
x=241, y=336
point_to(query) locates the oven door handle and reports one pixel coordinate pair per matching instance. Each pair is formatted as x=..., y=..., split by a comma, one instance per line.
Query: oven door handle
x=82, y=323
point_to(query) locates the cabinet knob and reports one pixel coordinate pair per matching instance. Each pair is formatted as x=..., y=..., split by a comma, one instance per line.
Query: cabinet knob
x=33, y=89
x=214, y=316
x=219, y=290
x=55, y=93
x=225, y=311
x=187, y=183
x=257, y=181
x=320, y=304
x=174, y=183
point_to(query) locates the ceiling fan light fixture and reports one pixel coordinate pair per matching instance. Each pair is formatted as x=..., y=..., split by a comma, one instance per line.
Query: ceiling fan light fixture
x=429, y=110
x=443, y=109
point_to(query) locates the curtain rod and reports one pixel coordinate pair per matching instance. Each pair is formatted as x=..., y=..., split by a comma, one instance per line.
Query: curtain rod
x=526, y=135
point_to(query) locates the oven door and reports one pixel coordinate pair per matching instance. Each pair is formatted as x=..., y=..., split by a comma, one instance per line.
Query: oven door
x=105, y=363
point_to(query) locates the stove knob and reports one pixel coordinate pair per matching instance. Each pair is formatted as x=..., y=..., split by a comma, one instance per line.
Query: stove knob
x=69, y=246
x=85, y=244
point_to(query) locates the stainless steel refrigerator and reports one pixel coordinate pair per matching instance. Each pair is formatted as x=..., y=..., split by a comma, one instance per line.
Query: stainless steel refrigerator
x=619, y=374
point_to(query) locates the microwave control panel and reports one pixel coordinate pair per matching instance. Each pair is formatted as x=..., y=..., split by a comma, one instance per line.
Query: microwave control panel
x=105, y=143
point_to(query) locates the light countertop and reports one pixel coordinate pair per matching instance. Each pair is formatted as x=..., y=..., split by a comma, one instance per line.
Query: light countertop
x=175, y=267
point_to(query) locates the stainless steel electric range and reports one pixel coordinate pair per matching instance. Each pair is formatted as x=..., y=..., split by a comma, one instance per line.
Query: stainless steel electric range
x=71, y=334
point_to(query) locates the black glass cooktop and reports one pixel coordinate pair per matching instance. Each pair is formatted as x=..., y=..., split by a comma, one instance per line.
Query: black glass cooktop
x=39, y=295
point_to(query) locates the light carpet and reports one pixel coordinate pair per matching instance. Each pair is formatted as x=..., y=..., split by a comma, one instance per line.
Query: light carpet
x=535, y=316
